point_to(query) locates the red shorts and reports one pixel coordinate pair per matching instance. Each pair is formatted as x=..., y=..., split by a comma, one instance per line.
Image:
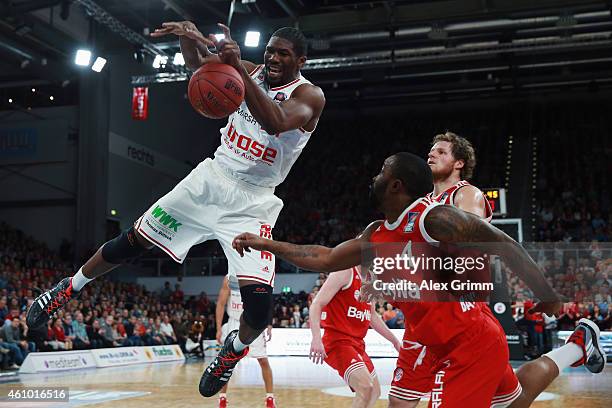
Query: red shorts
x=476, y=373
x=413, y=377
x=346, y=356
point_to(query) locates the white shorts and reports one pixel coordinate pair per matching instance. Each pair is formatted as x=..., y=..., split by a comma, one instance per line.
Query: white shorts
x=257, y=349
x=211, y=204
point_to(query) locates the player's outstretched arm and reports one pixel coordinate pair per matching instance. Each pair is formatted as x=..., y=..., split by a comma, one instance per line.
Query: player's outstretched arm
x=312, y=257
x=332, y=285
x=451, y=225
x=194, y=45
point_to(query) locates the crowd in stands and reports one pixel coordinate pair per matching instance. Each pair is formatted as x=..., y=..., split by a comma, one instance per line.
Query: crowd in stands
x=106, y=314
x=326, y=197
x=581, y=274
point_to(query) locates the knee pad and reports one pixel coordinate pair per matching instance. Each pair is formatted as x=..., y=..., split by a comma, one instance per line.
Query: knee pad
x=122, y=247
x=257, y=305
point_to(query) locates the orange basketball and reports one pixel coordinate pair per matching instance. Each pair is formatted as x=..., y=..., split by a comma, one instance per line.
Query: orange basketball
x=216, y=90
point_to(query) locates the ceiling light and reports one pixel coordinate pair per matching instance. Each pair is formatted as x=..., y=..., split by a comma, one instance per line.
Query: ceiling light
x=178, y=59
x=252, y=38
x=82, y=57
x=98, y=64
x=160, y=61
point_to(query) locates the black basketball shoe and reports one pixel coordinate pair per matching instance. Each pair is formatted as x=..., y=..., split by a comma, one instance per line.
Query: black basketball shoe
x=49, y=303
x=218, y=373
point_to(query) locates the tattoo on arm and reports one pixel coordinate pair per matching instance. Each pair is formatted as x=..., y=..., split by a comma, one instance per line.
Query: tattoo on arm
x=301, y=251
x=448, y=224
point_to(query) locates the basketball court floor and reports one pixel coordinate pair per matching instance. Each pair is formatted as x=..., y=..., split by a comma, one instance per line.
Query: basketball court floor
x=298, y=383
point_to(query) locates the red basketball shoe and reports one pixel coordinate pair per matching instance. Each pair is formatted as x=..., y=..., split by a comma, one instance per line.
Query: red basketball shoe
x=586, y=335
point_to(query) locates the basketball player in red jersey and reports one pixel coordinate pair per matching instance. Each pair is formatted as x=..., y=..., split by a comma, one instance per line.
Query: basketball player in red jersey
x=224, y=196
x=470, y=349
x=346, y=321
x=452, y=160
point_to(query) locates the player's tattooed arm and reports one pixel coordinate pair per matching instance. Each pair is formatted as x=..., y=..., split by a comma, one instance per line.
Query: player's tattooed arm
x=450, y=225
x=312, y=257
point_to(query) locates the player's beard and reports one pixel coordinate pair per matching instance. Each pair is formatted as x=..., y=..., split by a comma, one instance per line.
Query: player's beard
x=442, y=174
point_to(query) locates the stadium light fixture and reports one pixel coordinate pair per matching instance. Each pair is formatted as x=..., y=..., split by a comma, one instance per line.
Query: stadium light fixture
x=160, y=61
x=98, y=64
x=252, y=38
x=178, y=59
x=82, y=57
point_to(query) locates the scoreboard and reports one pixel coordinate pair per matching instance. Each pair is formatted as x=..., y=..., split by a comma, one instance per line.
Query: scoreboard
x=497, y=199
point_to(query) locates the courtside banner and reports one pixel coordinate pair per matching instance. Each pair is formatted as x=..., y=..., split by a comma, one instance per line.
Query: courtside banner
x=164, y=353
x=57, y=361
x=296, y=342
x=110, y=357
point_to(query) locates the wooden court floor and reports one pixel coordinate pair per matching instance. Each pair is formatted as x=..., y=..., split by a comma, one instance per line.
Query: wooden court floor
x=298, y=384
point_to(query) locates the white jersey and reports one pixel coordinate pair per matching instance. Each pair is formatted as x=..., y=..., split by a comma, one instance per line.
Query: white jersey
x=249, y=153
x=234, y=303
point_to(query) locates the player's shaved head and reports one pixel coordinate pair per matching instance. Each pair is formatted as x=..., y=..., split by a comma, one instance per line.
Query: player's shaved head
x=413, y=172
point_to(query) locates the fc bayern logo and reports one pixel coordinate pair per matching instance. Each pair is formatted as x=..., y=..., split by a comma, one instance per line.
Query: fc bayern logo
x=357, y=294
x=399, y=373
x=499, y=308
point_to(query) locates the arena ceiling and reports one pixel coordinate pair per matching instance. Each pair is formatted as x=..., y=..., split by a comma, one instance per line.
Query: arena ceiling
x=362, y=51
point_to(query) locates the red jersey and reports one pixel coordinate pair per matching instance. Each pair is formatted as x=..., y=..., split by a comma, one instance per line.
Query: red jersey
x=448, y=198
x=433, y=324
x=345, y=316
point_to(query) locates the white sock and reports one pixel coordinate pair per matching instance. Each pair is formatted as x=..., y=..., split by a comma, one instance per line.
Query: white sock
x=269, y=394
x=79, y=280
x=565, y=355
x=238, y=345
x=222, y=395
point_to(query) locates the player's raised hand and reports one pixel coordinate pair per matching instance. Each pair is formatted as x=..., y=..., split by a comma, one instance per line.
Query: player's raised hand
x=247, y=241
x=317, y=351
x=182, y=28
x=228, y=49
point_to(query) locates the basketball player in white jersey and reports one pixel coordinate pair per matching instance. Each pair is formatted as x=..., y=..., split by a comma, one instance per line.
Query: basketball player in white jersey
x=224, y=196
x=230, y=301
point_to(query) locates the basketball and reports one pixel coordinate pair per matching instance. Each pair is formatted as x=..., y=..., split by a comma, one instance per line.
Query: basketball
x=216, y=90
